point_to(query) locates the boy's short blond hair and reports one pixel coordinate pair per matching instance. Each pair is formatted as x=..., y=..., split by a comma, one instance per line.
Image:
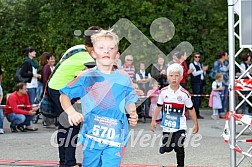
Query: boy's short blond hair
x=106, y=34
x=175, y=67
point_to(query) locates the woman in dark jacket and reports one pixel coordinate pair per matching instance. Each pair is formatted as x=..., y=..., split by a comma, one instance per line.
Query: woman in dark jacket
x=29, y=70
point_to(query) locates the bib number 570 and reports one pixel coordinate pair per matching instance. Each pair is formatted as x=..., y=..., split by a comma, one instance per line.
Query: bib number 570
x=103, y=132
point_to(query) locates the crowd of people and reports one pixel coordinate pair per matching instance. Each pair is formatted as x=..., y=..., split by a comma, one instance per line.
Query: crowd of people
x=108, y=90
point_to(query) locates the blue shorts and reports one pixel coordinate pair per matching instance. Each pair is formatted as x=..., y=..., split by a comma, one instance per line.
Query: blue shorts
x=109, y=156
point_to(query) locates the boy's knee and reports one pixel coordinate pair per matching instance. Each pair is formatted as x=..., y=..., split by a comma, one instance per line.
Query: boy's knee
x=179, y=149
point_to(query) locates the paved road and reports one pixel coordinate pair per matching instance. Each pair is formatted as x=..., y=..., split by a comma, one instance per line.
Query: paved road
x=204, y=149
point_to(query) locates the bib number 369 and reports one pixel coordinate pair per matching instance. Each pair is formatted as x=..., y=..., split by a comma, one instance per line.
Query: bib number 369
x=103, y=132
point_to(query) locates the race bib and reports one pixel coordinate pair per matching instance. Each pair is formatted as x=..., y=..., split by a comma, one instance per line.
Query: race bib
x=104, y=129
x=171, y=121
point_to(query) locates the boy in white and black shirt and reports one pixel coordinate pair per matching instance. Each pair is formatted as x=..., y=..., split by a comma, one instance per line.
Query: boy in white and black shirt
x=173, y=99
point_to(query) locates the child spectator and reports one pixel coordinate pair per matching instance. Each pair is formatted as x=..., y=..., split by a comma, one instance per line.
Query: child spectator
x=153, y=95
x=215, y=99
x=174, y=99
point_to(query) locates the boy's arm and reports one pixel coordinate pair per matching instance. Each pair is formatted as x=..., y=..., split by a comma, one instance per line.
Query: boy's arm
x=154, y=117
x=131, y=109
x=74, y=117
x=195, y=120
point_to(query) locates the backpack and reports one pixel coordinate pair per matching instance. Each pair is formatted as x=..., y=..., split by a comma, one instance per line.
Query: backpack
x=18, y=77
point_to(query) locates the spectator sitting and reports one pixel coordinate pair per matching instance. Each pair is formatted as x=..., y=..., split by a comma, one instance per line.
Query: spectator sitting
x=18, y=117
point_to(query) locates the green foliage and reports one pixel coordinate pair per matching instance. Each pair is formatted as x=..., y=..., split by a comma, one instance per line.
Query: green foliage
x=48, y=25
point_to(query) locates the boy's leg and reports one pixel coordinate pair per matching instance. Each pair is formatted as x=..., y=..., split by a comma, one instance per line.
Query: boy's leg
x=67, y=141
x=67, y=136
x=179, y=138
x=167, y=142
x=111, y=156
x=92, y=157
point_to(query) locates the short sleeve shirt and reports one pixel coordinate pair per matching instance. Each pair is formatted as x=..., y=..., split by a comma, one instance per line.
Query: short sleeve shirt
x=105, y=95
x=175, y=103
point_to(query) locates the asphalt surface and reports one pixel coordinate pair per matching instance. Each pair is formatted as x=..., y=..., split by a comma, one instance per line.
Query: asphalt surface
x=207, y=148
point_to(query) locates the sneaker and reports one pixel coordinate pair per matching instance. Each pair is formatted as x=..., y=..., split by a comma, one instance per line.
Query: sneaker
x=1, y=131
x=161, y=150
x=13, y=129
x=21, y=128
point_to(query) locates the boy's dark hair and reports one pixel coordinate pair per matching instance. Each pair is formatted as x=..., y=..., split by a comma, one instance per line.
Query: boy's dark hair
x=28, y=50
x=88, y=33
x=20, y=86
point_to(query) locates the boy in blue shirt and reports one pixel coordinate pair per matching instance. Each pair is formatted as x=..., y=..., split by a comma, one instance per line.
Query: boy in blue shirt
x=105, y=93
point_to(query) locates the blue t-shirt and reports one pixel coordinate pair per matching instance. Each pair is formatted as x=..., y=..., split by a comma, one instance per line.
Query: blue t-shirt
x=103, y=97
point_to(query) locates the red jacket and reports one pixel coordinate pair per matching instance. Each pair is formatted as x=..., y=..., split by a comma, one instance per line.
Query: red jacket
x=185, y=74
x=13, y=100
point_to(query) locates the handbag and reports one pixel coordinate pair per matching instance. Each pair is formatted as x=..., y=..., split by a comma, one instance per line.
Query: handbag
x=18, y=77
x=46, y=107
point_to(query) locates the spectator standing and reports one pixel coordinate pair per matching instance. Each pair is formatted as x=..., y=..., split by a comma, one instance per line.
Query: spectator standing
x=197, y=81
x=222, y=66
x=143, y=79
x=158, y=72
x=48, y=67
x=29, y=70
x=129, y=67
x=244, y=66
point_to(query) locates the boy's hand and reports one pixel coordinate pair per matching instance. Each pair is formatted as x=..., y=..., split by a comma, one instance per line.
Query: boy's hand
x=153, y=125
x=133, y=118
x=75, y=118
x=195, y=128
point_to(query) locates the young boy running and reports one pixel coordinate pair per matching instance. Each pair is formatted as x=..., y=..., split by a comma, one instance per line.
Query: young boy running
x=174, y=99
x=105, y=93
